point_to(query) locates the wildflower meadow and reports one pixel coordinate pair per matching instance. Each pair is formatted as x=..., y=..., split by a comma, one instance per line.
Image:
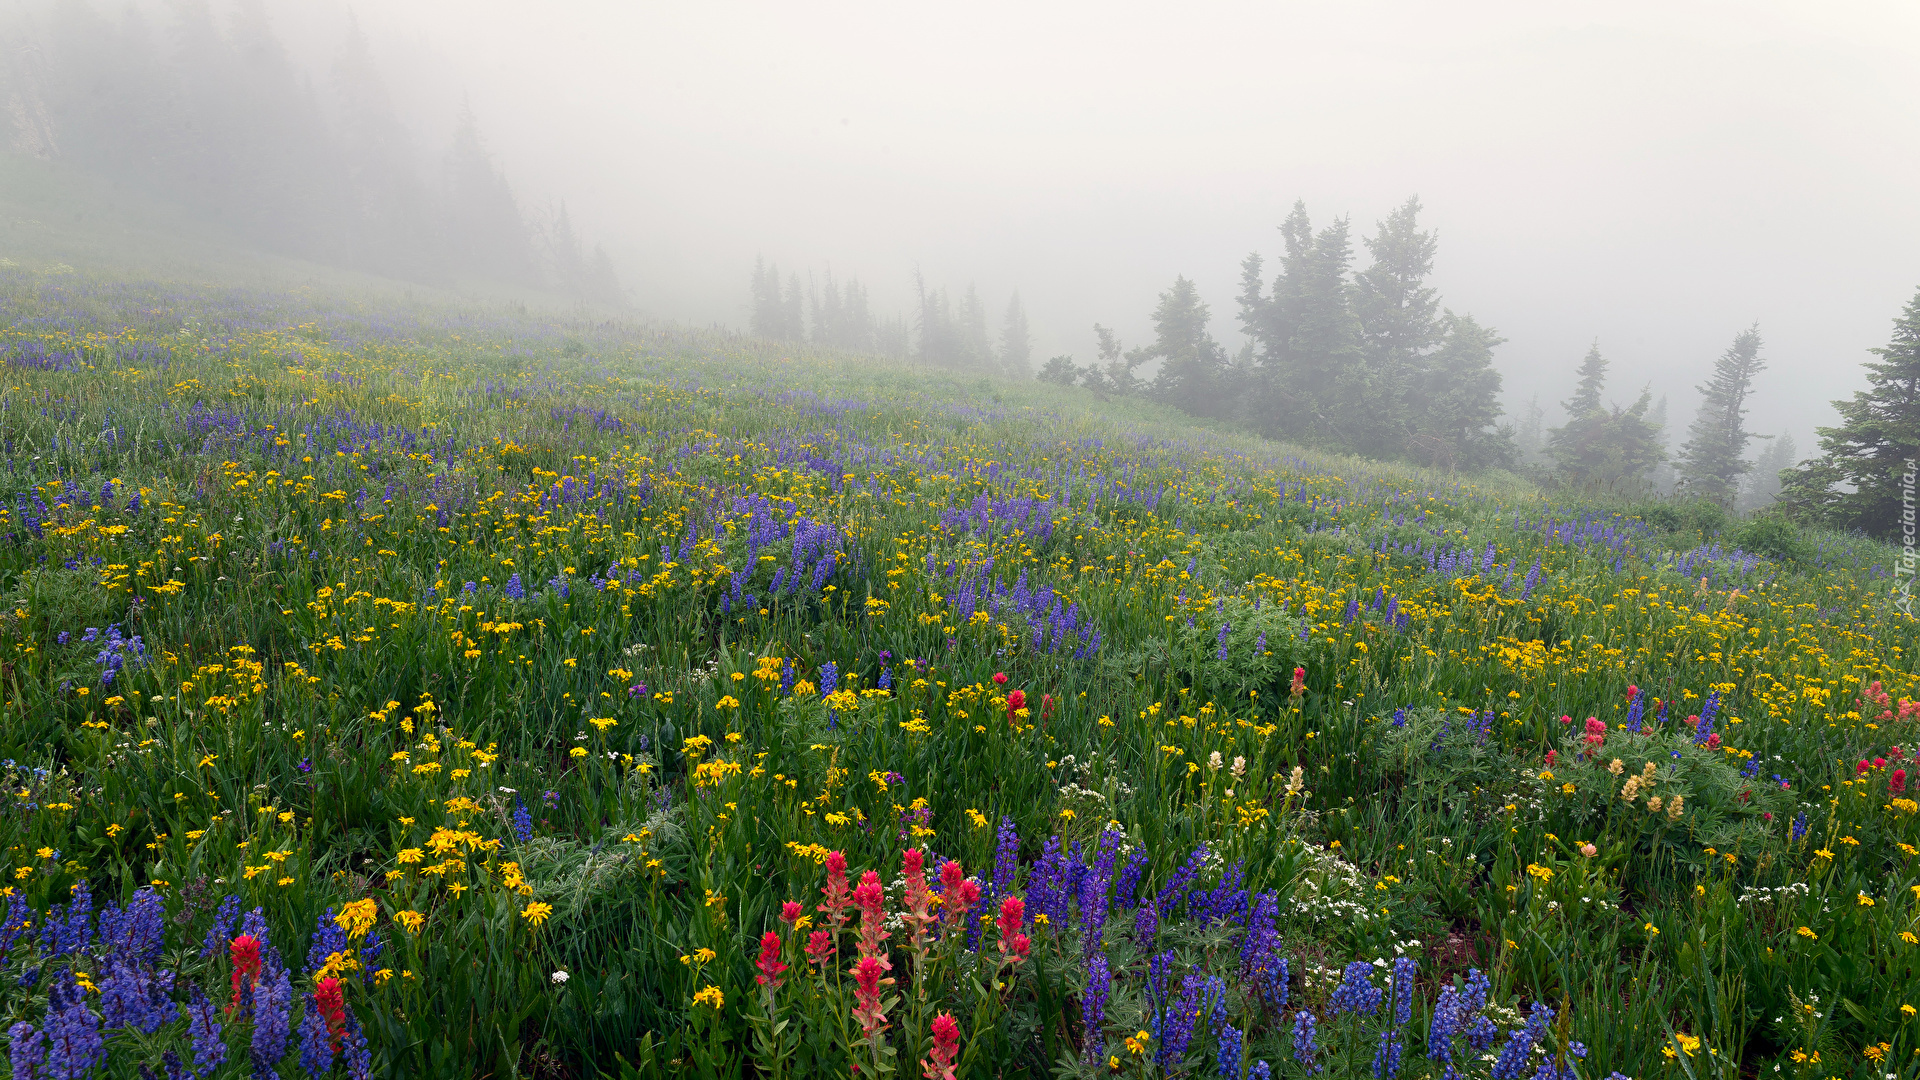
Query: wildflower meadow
x=412, y=689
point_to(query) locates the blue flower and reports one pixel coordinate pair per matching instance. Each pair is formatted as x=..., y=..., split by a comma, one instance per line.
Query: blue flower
x=1304, y=1032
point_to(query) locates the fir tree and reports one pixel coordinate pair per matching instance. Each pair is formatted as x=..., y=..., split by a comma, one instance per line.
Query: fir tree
x=1601, y=445
x=976, y=349
x=1272, y=324
x=1324, y=345
x=1710, y=463
x=1398, y=316
x=1192, y=364
x=1457, y=401
x=768, y=320
x=1530, y=435
x=1856, y=482
x=1762, y=485
x=1016, y=347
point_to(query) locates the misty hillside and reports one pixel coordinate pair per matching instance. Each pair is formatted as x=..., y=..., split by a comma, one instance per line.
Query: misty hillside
x=1290, y=541
x=411, y=687
x=208, y=120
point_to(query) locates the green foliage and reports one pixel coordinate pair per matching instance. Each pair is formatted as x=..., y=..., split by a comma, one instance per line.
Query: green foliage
x=1710, y=465
x=1866, y=462
x=573, y=808
x=1772, y=536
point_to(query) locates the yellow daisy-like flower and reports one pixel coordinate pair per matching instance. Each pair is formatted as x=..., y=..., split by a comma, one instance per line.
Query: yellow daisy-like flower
x=536, y=912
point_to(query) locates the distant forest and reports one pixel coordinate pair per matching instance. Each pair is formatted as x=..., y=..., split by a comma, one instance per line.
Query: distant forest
x=212, y=114
x=1366, y=361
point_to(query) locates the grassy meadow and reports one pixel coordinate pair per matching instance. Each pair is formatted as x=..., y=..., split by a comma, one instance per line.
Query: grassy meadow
x=404, y=688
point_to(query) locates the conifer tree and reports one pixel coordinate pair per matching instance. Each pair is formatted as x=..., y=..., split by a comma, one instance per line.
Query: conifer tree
x=1192, y=364
x=1457, y=401
x=1857, y=482
x=1324, y=343
x=1710, y=465
x=1016, y=347
x=1601, y=445
x=1398, y=316
x=1762, y=485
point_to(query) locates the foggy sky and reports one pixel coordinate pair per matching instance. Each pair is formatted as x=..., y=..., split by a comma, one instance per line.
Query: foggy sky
x=1653, y=175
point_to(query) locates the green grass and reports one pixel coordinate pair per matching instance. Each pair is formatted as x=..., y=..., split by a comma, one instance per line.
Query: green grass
x=322, y=713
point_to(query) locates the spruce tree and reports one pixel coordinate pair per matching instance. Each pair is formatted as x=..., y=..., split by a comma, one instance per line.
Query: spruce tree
x=1016, y=346
x=793, y=325
x=1857, y=481
x=1399, y=320
x=767, y=320
x=1662, y=478
x=1192, y=364
x=1601, y=445
x=1458, y=401
x=1762, y=485
x=1530, y=435
x=976, y=349
x=1273, y=331
x=1324, y=344
x=1710, y=465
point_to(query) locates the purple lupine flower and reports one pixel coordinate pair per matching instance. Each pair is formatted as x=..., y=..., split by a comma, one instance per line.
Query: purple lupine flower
x=1006, y=859
x=1352, y=612
x=1356, y=992
x=203, y=1027
x=1225, y=901
x=328, y=938
x=1260, y=1071
x=1400, y=717
x=1512, y=1062
x=1799, y=826
x=786, y=677
x=550, y=798
x=28, y=1050
x=1181, y=1018
x=1386, y=1060
x=1171, y=894
x=1444, y=1027
x=1263, y=969
x=369, y=953
x=1093, y=1005
x=75, y=1046
x=1232, y=1048
x=354, y=1046
x=1260, y=644
x=132, y=995
x=19, y=917
x=514, y=589
x=1146, y=923
x=138, y=931
x=316, y=1045
x=272, y=1021
x=1707, y=712
x=522, y=821
x=1634, y=710
x=69, y=929
x=1533, y=580
x=1405, y=968
x=1126, y=890
x=886, y=677
x=1304, y=1050
x=1222, y=641
x=1047, y=885
x=1092, y=893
